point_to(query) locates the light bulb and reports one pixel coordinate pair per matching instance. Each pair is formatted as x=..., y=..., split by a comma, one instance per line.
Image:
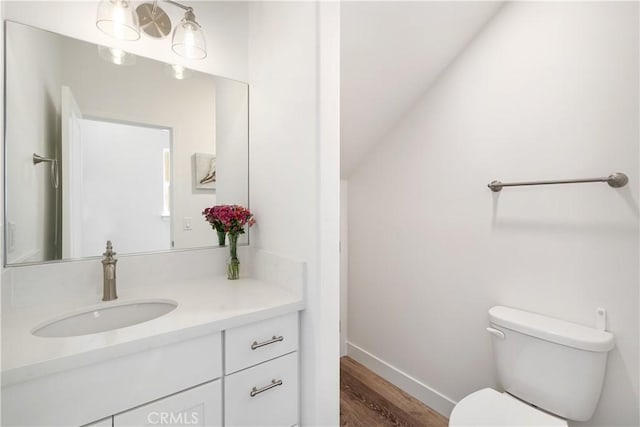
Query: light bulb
x=178, y=71
x=188, y=39
x=117, y=19
x=117, y=55
x=189, y=42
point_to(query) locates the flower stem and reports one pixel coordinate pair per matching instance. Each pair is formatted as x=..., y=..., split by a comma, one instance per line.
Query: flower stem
x=233, y=265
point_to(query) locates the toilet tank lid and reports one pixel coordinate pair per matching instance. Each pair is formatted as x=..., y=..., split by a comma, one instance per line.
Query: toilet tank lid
x=551, y=329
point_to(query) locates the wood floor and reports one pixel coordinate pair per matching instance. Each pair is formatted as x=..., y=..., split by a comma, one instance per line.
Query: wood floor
x=366, y=400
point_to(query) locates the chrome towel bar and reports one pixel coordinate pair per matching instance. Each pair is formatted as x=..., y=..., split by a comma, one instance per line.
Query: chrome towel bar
x=615, y=180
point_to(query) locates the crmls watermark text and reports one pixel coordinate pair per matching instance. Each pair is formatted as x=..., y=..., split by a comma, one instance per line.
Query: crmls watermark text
x=173, y=419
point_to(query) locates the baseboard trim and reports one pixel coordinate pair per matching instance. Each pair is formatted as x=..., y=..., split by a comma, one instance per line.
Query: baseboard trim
x=430, y=397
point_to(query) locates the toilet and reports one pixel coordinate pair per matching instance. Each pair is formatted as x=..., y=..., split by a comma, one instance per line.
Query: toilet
x=550, y=370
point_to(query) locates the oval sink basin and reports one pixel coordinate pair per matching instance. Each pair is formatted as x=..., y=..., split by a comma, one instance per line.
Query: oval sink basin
x=104, y=319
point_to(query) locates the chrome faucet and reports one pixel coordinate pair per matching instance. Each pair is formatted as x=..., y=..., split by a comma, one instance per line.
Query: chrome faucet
x=109, y=268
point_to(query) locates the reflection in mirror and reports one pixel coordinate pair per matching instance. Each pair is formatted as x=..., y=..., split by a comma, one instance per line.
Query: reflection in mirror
x=129, y=150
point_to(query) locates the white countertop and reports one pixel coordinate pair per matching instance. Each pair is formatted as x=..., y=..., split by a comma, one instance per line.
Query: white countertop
x=204, y=306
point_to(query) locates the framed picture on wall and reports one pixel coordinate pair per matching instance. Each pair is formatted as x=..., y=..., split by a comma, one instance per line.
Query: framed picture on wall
x=204, y=171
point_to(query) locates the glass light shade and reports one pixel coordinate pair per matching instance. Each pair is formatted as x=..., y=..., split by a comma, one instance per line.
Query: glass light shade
x=116, y=56
x=116, y=18
x=188, y=40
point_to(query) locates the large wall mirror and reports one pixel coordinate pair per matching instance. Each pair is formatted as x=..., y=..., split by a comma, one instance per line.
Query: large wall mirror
x=101, y=146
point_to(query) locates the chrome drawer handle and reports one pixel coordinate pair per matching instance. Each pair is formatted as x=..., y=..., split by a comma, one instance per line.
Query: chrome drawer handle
x=256, y=391
x=262, y=344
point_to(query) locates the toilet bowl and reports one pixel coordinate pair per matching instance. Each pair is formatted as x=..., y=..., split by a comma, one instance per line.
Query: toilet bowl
x=551, y=371
x=488, y=407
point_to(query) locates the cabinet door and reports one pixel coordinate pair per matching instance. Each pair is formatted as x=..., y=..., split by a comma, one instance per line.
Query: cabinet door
x=199, y=406
x=265, y=395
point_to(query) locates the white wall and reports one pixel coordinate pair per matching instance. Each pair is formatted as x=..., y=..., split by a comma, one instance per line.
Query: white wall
x=344, y=266
x=378, y=40
x=232, y=141
x=548, y=90
x=294, y=181
x=34, y=112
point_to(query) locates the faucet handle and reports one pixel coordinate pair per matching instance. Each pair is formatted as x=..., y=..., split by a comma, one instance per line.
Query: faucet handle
x=109, y=253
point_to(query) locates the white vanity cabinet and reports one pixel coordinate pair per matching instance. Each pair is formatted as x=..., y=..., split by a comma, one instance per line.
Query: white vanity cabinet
x=199, y=406
x=261, y=367
x=242, y=376
x=260, y=384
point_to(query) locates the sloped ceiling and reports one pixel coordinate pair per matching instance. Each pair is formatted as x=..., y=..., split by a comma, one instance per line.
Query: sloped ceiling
x=391, y=52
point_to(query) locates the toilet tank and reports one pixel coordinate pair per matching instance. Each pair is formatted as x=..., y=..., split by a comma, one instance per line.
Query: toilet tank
x=555, y=365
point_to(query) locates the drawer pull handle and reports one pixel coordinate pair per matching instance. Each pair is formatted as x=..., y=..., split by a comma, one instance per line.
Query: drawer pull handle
x=256, y=391
x=275, y=339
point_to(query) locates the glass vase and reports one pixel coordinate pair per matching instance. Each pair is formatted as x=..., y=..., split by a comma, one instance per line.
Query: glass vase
x=233, y=264
x=221, y=237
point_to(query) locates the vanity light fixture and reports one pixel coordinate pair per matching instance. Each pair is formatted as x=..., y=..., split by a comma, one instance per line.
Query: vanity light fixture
x=115, y=18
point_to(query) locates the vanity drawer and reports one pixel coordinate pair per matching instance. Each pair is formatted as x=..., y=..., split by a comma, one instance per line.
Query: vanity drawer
x=265, y=395
x=252, y=344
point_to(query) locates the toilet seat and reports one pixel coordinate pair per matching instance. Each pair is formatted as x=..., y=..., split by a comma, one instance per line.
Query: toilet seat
x=488, y=407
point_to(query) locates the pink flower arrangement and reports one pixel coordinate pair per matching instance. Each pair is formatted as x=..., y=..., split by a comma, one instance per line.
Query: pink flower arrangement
x=229, y=218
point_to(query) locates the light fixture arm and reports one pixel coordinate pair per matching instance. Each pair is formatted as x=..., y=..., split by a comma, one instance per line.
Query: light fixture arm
x=189, y=15
x=182, y=6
